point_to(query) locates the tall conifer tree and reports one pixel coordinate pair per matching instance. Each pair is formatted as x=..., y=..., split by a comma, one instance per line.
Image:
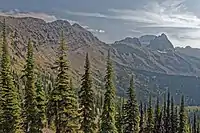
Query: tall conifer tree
x=30, y=107
x=182, y=117
x=41, y=105
x=167, y=119
x=131, y=111
x=174, y=117
x=141, y=125
x=158, y=119
x=194, y=127
x=109, y=111
x=63, y=101
x=150, y=121
x=10, y=120
x=86, y=97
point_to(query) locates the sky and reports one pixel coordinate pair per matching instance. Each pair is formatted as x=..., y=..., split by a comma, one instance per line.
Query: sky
x=112, y=20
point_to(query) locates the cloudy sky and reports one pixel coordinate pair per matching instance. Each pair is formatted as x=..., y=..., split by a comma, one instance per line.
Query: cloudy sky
x=113, y=20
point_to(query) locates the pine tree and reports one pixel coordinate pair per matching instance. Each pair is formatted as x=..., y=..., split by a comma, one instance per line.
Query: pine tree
x=150, y=121
x=86, y=97
x=30, y=107
x=41, y=105
x=164, y=115
x=63, y=101
x=10, y=120
x=108, y=114
x=176, y=118
x=158, y=119
x=141, y=125
x=194, y=127
x=119, y=116
x=131, y=117
x=198, y=128
x=182, y=117
x=173, y=117
x=167, y=119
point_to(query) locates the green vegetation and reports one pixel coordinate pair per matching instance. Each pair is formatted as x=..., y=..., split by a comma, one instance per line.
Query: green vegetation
x=33, y=103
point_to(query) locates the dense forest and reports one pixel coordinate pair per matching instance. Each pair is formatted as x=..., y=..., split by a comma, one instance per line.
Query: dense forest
x=35, y=102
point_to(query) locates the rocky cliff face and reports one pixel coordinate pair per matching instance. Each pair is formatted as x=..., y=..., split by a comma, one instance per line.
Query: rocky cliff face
x=148, y=58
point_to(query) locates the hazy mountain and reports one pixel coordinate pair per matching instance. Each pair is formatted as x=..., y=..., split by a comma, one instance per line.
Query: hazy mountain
x=156, y=67
x=146, y=39
x=161, y=43
x=194, y=52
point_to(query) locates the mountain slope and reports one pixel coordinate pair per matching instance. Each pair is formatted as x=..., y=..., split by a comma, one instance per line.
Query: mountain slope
x=129, y=56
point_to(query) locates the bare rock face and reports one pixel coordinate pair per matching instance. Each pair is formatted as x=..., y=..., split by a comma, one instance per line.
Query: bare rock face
x=146, y=39
x=161, y=43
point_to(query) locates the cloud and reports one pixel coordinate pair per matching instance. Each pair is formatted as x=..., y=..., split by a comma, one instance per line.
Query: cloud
x=95, y=30
x=86, y=14
x=17, y=13
x=156, y=16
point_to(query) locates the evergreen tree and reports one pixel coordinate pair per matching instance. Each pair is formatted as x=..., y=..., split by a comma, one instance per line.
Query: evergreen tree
x=86, y=97
x=131, y=111
x=108, y=114
x=63, y=101
x=194, y=127
x=41, y=105
x=141, y=125
x=176, y=116
x=173, y=117
x=30, y=107
x=150, y=121
x=182, y=117
x=167, y=119
x=10, y=120
x=198, y=128
x=164, y=115
x=158, y=119
x=119, y=116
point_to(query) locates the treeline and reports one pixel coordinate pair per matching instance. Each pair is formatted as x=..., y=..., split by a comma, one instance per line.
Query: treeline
x=34, y=101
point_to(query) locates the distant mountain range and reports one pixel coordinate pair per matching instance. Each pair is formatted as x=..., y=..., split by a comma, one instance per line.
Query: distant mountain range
x=154, y=61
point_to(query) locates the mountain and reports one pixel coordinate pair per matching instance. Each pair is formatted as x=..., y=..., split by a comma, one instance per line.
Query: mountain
x=130, y=41
x=194, y=52
x=161, y=43
x=156, y=67
x=146, y=39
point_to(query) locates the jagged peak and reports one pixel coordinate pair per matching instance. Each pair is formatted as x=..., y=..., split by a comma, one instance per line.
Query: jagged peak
x=130, y=41
x=75, y=25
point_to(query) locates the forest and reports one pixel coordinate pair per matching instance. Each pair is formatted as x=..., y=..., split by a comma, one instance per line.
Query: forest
x=35, y=102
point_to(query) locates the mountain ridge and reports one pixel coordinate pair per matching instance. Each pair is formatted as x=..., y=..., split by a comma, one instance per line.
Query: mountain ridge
x=129, y=55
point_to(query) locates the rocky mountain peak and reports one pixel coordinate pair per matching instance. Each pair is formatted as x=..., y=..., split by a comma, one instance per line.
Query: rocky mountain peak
x=146, y=39
x=161, y=43
x=130, y=41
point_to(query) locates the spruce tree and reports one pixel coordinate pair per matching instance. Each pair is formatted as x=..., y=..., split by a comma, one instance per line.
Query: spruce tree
x=164, y=115
x=194, y=127
x=198, y=128
x=167, y=119
x=131, y=111
x=86, y=98
x=176, y=118
x=158, y=119
x=173, y=118
x=119, y=116
x=10, y=120
x=141, y=125
x=182, y=117
x=41, y=105
x=108, y=114
x=30, y=107
x=63, y=101
x=150, y=121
